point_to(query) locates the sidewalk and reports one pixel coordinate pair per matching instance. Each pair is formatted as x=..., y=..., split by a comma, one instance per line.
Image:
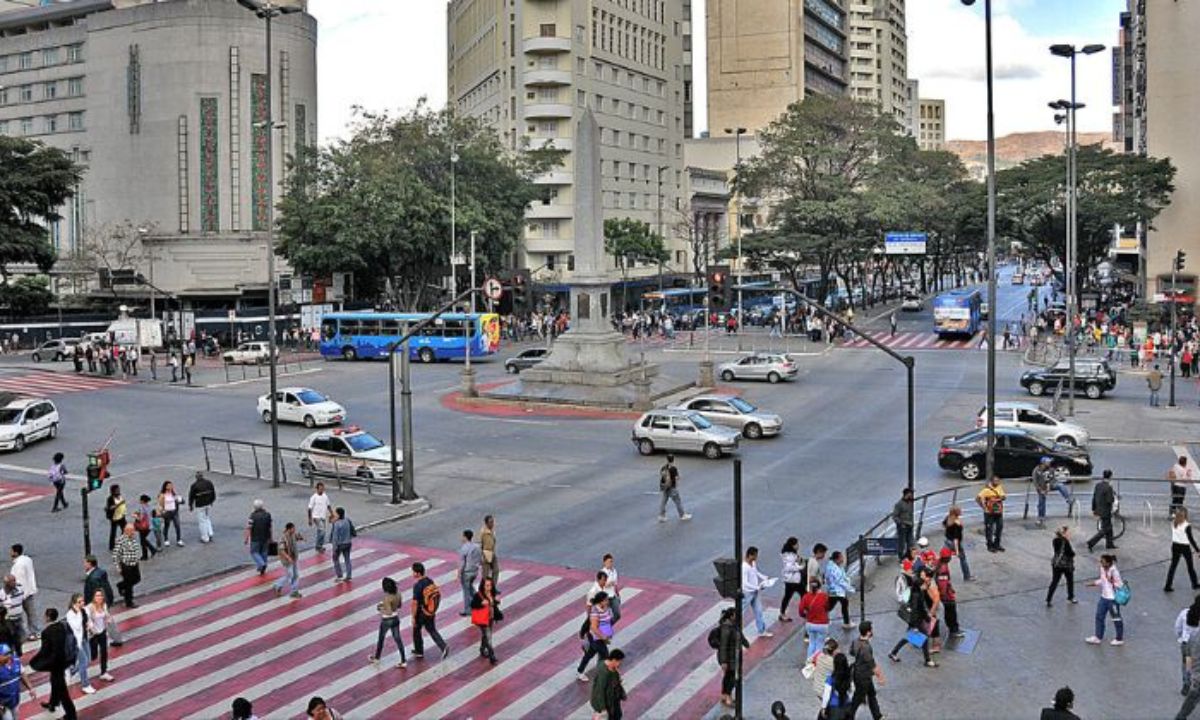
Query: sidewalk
x=208, y=372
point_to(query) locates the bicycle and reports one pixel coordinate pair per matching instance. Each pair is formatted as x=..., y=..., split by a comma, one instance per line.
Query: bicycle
x=1118, y=520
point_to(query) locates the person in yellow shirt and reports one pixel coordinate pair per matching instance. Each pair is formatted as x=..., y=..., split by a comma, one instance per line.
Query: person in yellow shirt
x=991, y=499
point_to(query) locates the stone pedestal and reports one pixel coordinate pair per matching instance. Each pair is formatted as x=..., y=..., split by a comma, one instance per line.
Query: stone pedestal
x=706, y=374
x=468, y=382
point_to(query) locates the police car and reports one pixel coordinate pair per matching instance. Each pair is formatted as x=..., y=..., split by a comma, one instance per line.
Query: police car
x=347, y=453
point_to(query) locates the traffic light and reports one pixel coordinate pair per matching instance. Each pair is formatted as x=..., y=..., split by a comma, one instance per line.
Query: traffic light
x=729, y=578
x=718, y=287
x=1180, y=256
x=521, y=289
x=97, y=469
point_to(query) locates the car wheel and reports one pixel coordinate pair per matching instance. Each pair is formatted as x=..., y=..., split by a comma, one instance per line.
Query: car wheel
x=773, y=378
x=1036, y=388
x=310, y=422
x=59, y=357
x=364, y=474
x=646, y=446
x=1093, y=391
x=712, y=451
x=752, y=431
x=1067, y=440
x=53, y=431
x=307, y=469
x=348, y=353
x=266, y=416
x=970, y=470
x=512, y=369
x=727, y=376
x=426, y=355
x=19, y=443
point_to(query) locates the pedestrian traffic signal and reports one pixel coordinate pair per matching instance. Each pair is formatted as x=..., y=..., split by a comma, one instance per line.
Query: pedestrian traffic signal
x=1179, y=258
x=97, y=469
x=521, y=288
x=729, y=577
x=718, y=287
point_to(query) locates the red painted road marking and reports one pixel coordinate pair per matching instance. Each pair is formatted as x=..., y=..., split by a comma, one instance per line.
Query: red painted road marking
x=14, y=494
x=915, y=341
x=52, y=383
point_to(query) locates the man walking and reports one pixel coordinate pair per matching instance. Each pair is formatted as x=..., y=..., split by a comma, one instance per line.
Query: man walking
x=126, y=556
x=902, y=517
x=1154, y=380
x=991, y=499
x=1179, y=473
x=341, y=537
x=201, y=496
x=52, y=655
x=319, y=514
x=1045, y=480
x=892, y=322
x=1103, y=499
x=487, y=547
x=426, y=598
x=258, y=535
x=289, y=558
x=22, y=570
x=12, y=599
x=668, y=489
x=753, y=583
x=58, y=478
x=865, y=672
x=469, y=561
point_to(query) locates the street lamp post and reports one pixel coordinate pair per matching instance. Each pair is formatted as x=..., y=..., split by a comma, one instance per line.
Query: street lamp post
x=453, y=219
x=1070, y=52
x=737, y=224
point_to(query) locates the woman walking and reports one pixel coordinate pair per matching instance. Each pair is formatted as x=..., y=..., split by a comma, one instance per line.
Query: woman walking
x=1108, y=582
x=835, y=699
x=77, y=625
x=814, y=608
x=953, y=525
x=598, y=634
x=1182, y=544
x=838, y=586
x=389, y=621
x=918, y=618
x=114, y=510
x=484, y=606
x=792, y=574
x=822, y=665
x=169, y=503
x=97, y=628
x=1062, y=565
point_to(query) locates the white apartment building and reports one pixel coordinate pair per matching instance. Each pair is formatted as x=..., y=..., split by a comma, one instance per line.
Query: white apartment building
x=879, y=56
x=931, y=124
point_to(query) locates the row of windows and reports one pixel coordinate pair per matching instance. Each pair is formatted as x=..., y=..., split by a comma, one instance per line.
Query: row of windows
x=617, y=35
x=652, y=9
x=628, y=78
x=43, y=125
x=827, y=12
x=48, y=57
x=633, y=111
x=931, y=111
x=631, y=140
x=37, y=92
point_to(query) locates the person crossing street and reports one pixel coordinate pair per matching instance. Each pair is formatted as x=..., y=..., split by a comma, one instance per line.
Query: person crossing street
x=1103, y=502
x=668, y=489
x=201, y=496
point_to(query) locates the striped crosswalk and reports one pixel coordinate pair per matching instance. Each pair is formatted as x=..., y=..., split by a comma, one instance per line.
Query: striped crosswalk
x=917, y=341
x=190, y=651
x=16, y=494
x=53, y=383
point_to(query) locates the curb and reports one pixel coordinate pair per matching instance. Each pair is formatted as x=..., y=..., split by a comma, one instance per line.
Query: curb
x=409, y=509
x=1139, y=441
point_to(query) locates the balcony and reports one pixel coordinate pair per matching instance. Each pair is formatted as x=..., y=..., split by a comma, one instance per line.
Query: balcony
x=546, y=45
x=538, y=211
x=555, y=177
x=556, y=143
x=547, y=78
x=535, y=111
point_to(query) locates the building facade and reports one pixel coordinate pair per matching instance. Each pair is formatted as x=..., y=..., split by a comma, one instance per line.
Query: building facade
x=764, y=55
x=164, y=105
x=529, y=67
x=879, y=56
x=931, y=124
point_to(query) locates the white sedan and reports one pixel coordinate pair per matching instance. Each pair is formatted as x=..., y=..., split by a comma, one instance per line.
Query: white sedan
x=250, y=353
x=349, y=453
x=302, y=405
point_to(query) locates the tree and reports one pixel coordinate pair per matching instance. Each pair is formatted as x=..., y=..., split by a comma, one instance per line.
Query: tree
x=26, y=295
x=35, y=181
x=703, y=239
x=378, y=204
x=109, y=247
x=630, y=241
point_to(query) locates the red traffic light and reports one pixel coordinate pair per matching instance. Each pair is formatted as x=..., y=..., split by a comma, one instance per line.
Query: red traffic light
x=718, y=277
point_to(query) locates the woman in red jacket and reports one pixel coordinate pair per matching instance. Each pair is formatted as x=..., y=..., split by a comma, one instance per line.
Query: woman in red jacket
x=814, y=608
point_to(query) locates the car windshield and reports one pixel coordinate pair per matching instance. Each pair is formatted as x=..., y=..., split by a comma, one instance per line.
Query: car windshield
x=699, y=421
x=973, y=436
x=363, y=442
x=310, y=397
x=8, y=416
x=741, y=405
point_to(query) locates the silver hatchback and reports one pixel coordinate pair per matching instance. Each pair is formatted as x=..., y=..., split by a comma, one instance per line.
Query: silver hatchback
x=682, y=431
x=1037, y=422
x=771, y=367
x=732, y=411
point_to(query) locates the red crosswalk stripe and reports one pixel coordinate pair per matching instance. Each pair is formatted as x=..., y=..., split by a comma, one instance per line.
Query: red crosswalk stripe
x=915, y=341
x=16, y=494
x=51, y=383
x=190, y=651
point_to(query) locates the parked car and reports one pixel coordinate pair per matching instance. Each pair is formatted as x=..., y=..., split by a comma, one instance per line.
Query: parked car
x=912, y=303
x=347, y=453
x=249, y=353
x=1018, y=278
x=302, y=405
x=525, y=359
x=682, y=431
x=771, y=367
x=1037, y=422
x=732, y=411
x=1017, y=453
x=1094, y=377
x=56, y=350
x=26, y=420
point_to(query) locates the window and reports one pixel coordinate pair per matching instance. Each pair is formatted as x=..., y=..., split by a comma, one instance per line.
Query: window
x=26, y=126
x=3, y=96
x=3, y=127
x=75, y=53
x=3, y=63
x=74, y=87
x=581, y=98
x=50, y=56
x=25, y=61
x=547, y=30
x=51, y=123
x=75, y=120
x=50, y=90
x=26, y=93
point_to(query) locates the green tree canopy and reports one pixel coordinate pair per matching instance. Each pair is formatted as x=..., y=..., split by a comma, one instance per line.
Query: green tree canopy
x=630, y=241
x=379, y=203
x=35, y=181
x=27, y=295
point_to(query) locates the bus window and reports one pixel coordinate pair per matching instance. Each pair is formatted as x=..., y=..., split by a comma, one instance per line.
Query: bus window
x=369, y=328
x=350, y=328
x=329, y=329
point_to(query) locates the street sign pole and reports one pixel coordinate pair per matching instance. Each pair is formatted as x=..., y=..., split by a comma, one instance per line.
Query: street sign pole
x=739, y=621
x=87, y=525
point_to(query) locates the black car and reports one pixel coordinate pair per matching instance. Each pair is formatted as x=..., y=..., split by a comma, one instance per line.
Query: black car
x=525, y=360
x=1017, y=454
x=1093, y=377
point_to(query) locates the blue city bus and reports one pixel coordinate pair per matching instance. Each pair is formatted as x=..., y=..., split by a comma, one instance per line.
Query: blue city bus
x=367, y=335
x=957, y=312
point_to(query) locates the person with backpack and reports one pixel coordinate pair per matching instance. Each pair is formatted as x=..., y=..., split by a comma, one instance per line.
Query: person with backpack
x=341, y=537
x=426, y=598
x=991, y=499
x=668, y=489
x=141, y=523
x=724, y=638
x=865, y=671
x=58, y=478
x=389, y=621
x=201, y=497
x=485, y=606
x=1110, y=583
x=114, y=510
x=53, y=658
x=836, y=699
x=11, y=680
x=77, y=623
x=597, y=634
x=1062, y=565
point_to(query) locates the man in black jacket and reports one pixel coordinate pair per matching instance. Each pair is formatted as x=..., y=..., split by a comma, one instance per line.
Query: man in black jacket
x=1103, y=500
x=1064, y=700
x=52, y=658
x=201, y=496
x=727, y=653
x=902, y=517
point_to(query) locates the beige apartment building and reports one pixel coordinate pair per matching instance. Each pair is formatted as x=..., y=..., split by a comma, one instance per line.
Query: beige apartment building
x=931, y=124
x=764, y=55
x=879, y=56
x=529, y=67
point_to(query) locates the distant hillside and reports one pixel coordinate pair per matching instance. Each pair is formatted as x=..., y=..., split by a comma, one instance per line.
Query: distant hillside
x=1016, y=148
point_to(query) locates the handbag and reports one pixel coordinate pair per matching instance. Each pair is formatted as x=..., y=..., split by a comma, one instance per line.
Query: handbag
x=272, y=549
x=808, y=670
x=480, y=616
x=916, y=638
x=1123, y=594
x=904, y=612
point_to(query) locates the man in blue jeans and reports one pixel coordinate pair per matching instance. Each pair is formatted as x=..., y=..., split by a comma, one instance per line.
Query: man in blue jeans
x=258, y=535
x=753, y=583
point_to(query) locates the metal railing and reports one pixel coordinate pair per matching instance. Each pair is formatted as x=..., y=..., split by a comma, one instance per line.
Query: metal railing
x=283, y=367
x=296, y=466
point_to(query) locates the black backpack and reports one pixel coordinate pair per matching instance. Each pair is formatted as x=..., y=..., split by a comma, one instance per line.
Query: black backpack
x=714, y=638
x=70, y=645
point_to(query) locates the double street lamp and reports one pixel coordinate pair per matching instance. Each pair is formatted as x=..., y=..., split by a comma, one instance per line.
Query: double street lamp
x=737, y=134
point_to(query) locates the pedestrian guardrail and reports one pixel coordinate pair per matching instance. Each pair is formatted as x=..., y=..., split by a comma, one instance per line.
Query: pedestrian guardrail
x=261, y=369
x=296, y=466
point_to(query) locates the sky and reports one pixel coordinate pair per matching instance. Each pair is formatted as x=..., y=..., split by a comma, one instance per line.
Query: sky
x=387, y=54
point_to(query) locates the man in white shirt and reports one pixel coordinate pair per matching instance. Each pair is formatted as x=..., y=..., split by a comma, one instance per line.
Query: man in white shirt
x=319, y=514
x=12, y=597
x=753, y=583
x=1182, y=470
x=613, y=590
x=22, y=570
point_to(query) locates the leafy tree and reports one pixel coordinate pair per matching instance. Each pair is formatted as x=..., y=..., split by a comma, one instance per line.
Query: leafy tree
x=112, y=246
x=630, y=241
x=26, y=295
x=35, y=181
x=378, y=204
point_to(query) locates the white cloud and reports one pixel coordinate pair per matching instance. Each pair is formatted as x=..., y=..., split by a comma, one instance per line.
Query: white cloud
x=946, y=53
x=379, y=54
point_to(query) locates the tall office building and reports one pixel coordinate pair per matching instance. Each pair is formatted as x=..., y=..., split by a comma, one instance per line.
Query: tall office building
x=931, y=124
x=764, y=55
x=879, y=56
x=529, y=67
x=162, y=104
